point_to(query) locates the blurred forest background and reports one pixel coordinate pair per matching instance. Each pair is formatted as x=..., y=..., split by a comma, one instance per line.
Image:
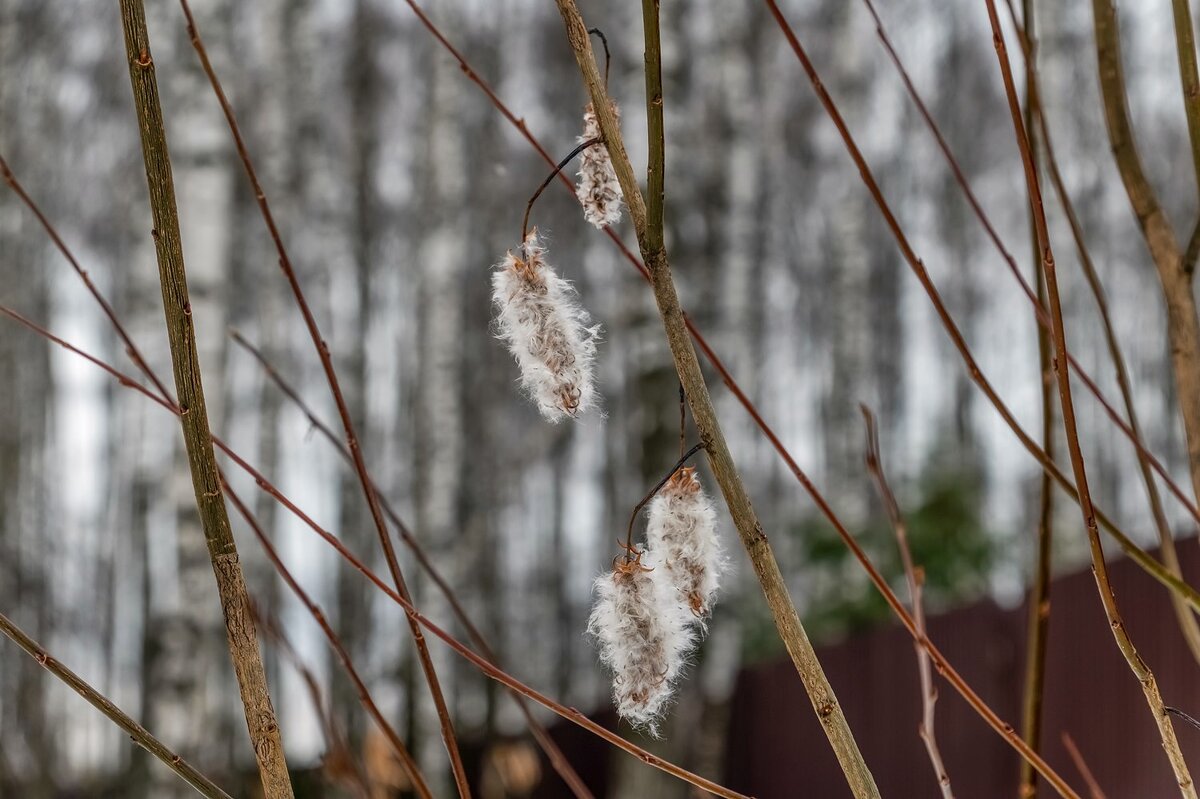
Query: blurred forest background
x=397, y=185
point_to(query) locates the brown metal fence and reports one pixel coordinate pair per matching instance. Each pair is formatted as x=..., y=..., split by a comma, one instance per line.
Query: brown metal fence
x=777, y=749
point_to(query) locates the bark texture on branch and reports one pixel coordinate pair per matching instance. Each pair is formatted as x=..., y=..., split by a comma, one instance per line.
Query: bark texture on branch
x=239, y=623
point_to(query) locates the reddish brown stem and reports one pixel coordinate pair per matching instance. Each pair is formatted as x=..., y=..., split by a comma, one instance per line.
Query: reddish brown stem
x=130, y=348
x=1081, y=765
x=929, y=695
x=352, y=442
x=136, y=732
x=555, y=755
x=335, y=643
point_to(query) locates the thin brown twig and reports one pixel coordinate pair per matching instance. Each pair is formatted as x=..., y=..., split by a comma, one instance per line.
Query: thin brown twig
x=337, y=748
x=1082, y=766
x=553, y=753
x=137, y=733
x=335, y=643
x=482, y=663
x=925, y=729
x=265, y=735
x=1175, y=268
x=352, y=441
x=557, y=169
x=130, y=348
x=1037, y=633
x=1099, y=567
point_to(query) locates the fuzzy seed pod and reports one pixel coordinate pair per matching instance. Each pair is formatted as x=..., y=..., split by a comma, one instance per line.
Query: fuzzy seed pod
x=549, y=334
x=682, y=534
x=598, y=188
x=644, y=636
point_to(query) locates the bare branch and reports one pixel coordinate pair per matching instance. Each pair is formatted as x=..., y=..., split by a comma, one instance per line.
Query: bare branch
x=137, y=732
x=1080, y=764
x=1099, y=567
x=231, y=585
x=352, y=442
x=928, y=691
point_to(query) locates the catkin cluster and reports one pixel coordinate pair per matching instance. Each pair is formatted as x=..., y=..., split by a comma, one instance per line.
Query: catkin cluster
x=649, y=612
x=548, y=333
x=598, y=188
x=644, y=638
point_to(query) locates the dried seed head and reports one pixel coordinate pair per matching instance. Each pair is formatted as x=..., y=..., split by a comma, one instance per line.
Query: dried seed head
x=644, y=637
x=682, y=533
x=549, y=334
x=598, y=188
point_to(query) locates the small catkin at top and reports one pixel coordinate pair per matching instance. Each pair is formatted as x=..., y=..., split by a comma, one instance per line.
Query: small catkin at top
x=644, y=636
x=550, y=335
x=598, y=188
x=682, y=534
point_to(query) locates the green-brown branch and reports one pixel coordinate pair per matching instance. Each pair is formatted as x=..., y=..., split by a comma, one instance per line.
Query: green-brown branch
x=239, y=623
x=1174, y=268
x=136, y=732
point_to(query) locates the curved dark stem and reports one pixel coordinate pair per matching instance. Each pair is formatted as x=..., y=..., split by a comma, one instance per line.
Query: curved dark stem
x=607, y=55
x=559, y=168
x=682, y=419
x=638, y=508
x=1177, y=712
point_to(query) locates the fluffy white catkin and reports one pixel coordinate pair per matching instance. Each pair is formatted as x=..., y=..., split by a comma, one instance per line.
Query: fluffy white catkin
x=644, y=636
x=598, y=188
x=682, y=534
x=549, y=334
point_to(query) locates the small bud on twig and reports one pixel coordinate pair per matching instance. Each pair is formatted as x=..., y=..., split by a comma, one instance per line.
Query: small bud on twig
x=547, y=331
